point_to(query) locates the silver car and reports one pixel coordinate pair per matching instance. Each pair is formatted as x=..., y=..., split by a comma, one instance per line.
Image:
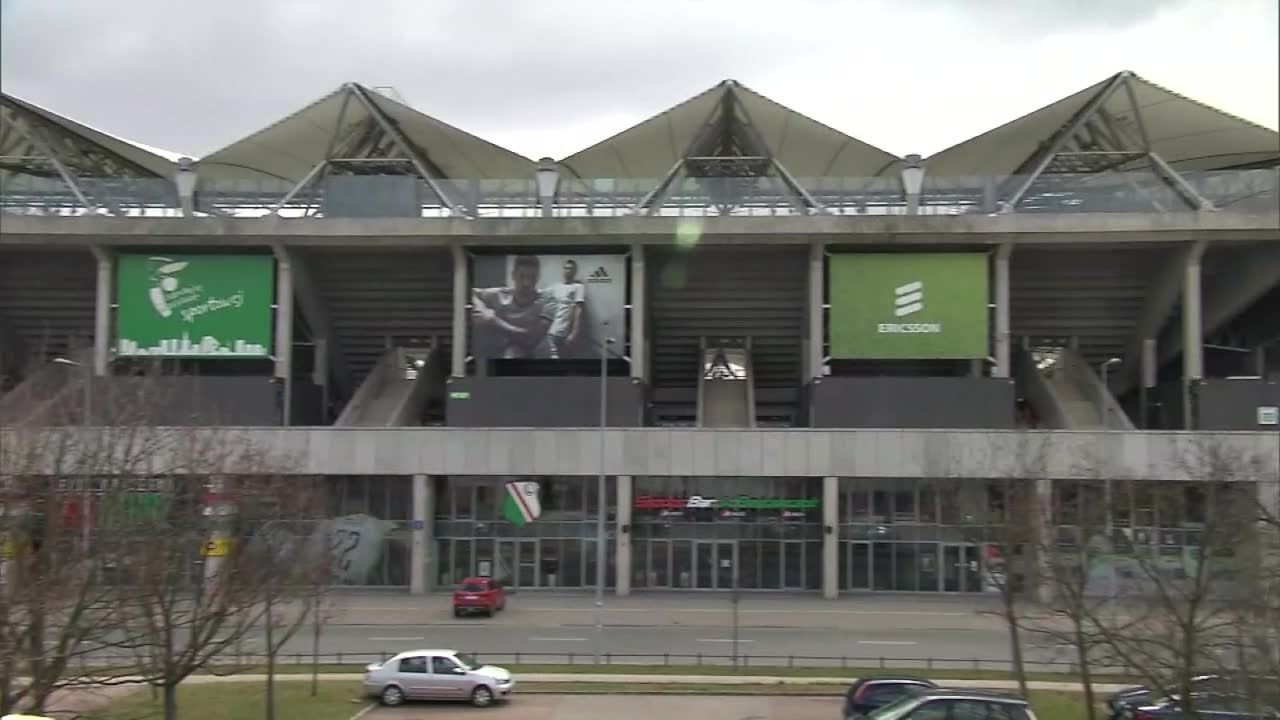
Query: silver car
x=437, y=675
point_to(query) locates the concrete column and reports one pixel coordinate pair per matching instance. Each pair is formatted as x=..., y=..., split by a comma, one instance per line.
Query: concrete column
x=830, y=538
x=1003, y=350
x=817, y=325
x=639, y=349
x=622, y=545
x=420, y=570
x=461, y=296
x=1192, y=333
x=102, y=311
x=284, y=332
x=1148, y=371
x=1039, y=585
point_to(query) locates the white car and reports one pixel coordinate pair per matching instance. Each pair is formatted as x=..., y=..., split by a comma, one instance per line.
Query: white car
x=437, y=675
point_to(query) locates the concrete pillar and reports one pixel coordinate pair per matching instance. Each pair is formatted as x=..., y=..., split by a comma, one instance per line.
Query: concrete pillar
x=830, y=538
x=461, y=296
x=102, y=311
x=622, y=544
x=420, y=532
x=1039, y=585
x=1149, y=370
x=1003, y=350
x=639, y=350
x=1192, y=333
x=284, y=332
x=816, y=314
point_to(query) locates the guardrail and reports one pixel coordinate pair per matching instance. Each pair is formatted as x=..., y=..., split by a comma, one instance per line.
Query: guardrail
x=843, y=662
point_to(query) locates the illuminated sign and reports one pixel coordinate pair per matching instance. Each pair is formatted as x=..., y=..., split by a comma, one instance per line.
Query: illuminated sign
x=730, y=507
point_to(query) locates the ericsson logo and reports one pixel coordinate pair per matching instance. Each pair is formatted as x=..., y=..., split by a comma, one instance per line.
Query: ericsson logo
x=908, y=299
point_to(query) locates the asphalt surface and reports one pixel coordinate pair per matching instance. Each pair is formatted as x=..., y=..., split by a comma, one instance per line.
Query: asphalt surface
x=549, y=627
x=624, y=707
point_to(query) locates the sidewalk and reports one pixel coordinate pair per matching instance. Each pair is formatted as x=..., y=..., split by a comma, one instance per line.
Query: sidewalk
x=655, y=609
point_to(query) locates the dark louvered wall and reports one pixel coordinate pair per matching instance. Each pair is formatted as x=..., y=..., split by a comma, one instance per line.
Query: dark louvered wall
x=47, y=298
x=756, y=292
x=376, y=294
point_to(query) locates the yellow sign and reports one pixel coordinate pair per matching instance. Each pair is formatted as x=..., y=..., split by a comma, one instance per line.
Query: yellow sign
x=218, y=547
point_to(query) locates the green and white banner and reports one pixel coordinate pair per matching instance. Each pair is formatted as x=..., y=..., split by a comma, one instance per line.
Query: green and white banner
x=908, y=306
x=196, y=306
x=522, y=505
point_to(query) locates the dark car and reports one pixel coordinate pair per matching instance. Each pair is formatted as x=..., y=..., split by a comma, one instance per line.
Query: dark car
x=955, y=704
x=1122, y=703
x=876, y=691
x=1210, y=706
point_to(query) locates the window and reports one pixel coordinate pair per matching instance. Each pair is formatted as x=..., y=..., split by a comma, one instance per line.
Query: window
x=443, y=666
x=933, y=710
x=970, y=710
x=416, y=665
x=886, y=693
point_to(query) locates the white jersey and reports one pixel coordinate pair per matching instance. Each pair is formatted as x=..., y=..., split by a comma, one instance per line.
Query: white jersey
x=561, y=298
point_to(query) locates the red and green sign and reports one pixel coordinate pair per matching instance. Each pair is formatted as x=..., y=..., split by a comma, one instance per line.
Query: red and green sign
x=735, y=505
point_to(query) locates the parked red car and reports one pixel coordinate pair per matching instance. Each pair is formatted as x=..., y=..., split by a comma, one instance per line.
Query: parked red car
x=479, y=595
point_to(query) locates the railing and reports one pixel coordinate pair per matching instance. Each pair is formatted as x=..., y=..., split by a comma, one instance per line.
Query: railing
x=674, y=660
x=1137, y=191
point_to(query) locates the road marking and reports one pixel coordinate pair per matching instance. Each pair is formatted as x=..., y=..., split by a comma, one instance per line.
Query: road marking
x=869, y=613
x=395, y=639
x=887, y=642
x=728, y=640
x=364, y=711
x=557, y=639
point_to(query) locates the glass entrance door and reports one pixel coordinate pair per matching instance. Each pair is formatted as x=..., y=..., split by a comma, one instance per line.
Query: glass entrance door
x=715, y=564
x=961, y=569
x=516, y=564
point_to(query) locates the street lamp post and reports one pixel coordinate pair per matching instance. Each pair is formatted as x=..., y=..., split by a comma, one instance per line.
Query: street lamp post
x=1104, y=408
x=602, y=494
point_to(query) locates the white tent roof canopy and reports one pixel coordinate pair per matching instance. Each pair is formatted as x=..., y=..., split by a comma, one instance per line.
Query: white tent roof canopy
x=805, y=147
x=145, y=160
x=1185, y=133
x=290, y=148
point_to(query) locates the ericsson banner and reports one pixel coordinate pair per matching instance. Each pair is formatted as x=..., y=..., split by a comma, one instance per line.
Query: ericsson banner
x=547, y=307
x=908, y=306
x=194, y=306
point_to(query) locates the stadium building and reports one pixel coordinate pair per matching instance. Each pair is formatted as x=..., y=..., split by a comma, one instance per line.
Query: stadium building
x=801, y=362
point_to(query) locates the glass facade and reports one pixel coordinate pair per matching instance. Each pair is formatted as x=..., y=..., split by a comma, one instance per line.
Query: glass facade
x=718, y=533
x=474, y=537
x=370, y=516
x=917, y=535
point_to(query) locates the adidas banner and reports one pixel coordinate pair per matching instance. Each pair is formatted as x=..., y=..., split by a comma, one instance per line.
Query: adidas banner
x=546, y=307
x=908, y=306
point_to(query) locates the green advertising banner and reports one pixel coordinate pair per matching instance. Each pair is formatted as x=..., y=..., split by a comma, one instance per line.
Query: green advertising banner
x=196, y=306
x=908, y=306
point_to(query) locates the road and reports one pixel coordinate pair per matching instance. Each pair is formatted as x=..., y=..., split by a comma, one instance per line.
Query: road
x=547, y=627
x=626, y=707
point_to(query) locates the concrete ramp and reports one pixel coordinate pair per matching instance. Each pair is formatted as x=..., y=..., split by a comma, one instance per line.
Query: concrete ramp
x=396, y=392
x=1066, y=393
x=726, y=387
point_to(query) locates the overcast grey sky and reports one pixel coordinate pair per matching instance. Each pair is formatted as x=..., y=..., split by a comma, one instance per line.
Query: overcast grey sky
x=554, y=76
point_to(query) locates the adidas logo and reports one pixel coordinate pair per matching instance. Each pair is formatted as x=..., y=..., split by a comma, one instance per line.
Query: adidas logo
x=599, y=275
x=908, y=299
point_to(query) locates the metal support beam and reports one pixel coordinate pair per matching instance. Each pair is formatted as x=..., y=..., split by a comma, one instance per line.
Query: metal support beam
x=1179, y=184
x=429, y=172
x=1192, y=332
x=34, y=136
x=1159, y=301
x=316, y=311
x=639, y=350
x=284, y=331
x=305, y=181
x=1037, y=164
x=102, y=310
x=461, y=298
x=1003, y=350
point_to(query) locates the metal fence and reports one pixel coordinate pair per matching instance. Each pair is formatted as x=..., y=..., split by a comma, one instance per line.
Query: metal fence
x=1132, y=192
x=673, y=660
